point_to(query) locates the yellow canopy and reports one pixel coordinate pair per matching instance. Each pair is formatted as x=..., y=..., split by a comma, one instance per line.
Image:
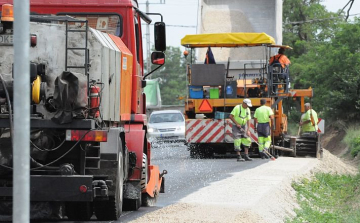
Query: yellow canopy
x=227, y=40
x=282, y=46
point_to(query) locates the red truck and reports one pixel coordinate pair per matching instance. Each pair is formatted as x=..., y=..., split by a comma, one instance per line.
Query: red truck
x=89, y=150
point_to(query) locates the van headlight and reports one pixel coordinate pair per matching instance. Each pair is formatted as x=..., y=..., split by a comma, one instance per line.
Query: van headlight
x=152, y=130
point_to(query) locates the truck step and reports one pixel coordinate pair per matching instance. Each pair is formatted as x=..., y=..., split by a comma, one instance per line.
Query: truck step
x=92, y=158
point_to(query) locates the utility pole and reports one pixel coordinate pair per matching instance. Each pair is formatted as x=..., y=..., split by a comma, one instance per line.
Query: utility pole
x=21, y=138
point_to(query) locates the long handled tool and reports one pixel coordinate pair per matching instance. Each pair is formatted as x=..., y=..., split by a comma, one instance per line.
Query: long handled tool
x=271, y=156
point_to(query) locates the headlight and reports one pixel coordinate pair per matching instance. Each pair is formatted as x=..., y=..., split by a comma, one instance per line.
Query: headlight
x=152, y=130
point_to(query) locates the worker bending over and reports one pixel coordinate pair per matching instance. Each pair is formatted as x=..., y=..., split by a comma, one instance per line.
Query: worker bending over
x=263, y=115
x=241, y=116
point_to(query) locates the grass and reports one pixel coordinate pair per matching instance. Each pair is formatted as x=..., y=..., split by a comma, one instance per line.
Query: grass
x=352, y=139
x=328, y=198
x=331, y=198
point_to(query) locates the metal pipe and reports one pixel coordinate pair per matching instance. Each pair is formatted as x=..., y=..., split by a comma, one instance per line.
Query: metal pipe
x=21, y=146
x=283, y=149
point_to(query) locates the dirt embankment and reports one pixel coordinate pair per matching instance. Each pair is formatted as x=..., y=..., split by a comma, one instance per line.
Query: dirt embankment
x=261, y=194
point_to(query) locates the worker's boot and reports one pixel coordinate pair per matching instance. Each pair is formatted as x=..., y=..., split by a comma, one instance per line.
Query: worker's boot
x=247, y=158
x=262, y=155
x=266, y=156
x=240, y=159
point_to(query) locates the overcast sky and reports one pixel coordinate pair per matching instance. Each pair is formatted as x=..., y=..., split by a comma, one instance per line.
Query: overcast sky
x=184, y=13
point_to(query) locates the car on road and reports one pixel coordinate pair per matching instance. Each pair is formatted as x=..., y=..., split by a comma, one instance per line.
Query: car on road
x=166, y=126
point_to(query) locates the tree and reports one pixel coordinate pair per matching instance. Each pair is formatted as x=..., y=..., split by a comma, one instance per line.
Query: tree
x=173, y=76
x=332, y=68
x=306, y=22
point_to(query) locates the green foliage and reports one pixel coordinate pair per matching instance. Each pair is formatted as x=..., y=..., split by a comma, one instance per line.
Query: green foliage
x=306, y=22
x=326, y=57
x=173, y=75
x=328, y=198
x=352, y=140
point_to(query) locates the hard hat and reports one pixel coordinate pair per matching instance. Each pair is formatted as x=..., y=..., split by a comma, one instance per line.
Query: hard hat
x=7, y=14
x=248, y=102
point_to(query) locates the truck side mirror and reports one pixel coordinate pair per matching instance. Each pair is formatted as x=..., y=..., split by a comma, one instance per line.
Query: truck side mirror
x=158, y=58
x=160, y=36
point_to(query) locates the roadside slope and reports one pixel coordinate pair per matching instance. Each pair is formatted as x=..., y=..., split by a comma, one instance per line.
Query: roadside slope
x=261, y=194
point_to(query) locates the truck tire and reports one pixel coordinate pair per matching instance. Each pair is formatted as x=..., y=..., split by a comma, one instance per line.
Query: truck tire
x=148, y=201
x=132, y=204
x=111, y=209
x=79, y=211
x=135, y=204
x=144, y=172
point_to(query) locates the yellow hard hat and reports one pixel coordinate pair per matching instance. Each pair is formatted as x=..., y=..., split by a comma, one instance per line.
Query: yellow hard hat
x=7, y=14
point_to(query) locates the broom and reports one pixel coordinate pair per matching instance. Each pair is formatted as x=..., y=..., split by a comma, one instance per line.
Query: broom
x=271, y=156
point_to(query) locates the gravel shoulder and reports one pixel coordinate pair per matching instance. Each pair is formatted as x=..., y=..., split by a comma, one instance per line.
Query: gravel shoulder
x=260, y=194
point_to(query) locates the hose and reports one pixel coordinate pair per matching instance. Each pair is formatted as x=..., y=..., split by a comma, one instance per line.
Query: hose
x=10, y=109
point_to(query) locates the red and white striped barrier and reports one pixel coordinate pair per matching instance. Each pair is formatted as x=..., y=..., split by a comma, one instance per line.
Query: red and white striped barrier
x=212, y=131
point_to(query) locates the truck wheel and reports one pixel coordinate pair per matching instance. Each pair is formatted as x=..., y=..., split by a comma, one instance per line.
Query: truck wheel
x=132, y=204
x=79, y=211
x=111, y=209
x=148, y=201
x=144, y=172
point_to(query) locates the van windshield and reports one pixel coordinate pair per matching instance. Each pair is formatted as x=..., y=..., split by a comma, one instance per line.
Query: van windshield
x=166, y=117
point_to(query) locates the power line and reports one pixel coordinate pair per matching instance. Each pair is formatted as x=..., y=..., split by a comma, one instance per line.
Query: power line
x=317, y=20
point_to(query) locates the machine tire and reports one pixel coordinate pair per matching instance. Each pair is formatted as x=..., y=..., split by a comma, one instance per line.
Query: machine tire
x=144, y=172
x=132, y=204
x=148, y=201
x=111, y=209
x=79, y=211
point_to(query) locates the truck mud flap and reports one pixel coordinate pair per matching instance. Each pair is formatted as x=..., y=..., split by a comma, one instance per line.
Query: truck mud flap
x=162, y=187
x=57, y=188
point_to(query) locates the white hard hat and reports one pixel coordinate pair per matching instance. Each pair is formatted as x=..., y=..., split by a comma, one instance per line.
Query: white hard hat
x=248, y=102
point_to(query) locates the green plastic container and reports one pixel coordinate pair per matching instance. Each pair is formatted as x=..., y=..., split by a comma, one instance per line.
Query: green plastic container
x=214, y=93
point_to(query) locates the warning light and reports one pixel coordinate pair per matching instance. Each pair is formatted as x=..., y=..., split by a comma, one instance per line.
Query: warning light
x=89, y=136
x=83, y=189
x=7, y=13
x=205, y=106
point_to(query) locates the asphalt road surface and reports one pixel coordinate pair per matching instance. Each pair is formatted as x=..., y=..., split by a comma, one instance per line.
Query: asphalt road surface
x=185, y=176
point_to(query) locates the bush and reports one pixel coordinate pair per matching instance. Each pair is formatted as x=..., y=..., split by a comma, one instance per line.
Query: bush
x=355, y=146
x=352, y=140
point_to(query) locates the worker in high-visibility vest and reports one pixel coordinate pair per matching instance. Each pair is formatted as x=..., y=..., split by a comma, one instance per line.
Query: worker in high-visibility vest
x=263, y=116
x=241, y=116
x=309, y=120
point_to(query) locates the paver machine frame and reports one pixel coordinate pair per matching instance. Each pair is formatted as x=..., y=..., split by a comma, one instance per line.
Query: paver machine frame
x=213, y=93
